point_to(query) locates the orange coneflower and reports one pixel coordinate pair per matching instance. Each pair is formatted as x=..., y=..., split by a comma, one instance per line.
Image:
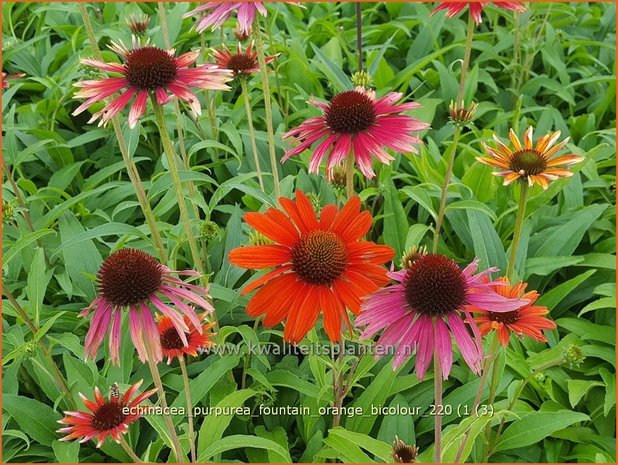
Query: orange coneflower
x=106, y=417
x=319, y=265
x=529, y=319
x=528, y=162
x=171, y=343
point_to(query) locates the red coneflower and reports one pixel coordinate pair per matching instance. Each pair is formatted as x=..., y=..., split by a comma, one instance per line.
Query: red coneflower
x=354, y=122
x=171, y=343
x=319, y=265
x=527, y=162
x=5, y=83
x=529, y=319
x=147, y=71
x=106, y=417
x=241, y=63
x=428, y=304
x=133, y=280
x=454, y=8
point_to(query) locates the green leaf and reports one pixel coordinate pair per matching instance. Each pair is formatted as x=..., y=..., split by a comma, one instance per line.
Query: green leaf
x=578, y=388
x=395, y=219
x=472, y=205
x=242, y=441
x=213, y=427
x=66, y=451
x=108, y=229
x=379, y=449
x=34, y=417
x=38, y=280
x=17, y=246
x=536, y=426
x=335, y=75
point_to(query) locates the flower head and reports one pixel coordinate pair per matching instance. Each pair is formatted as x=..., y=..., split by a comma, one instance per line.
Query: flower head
x=354, y=122
x=171, y=343
x=106, y=417
x=217, y=13
x=132, y=280
x=528, y=162
x=147, y=71
x=319, y=265
x=138, y=24
x=425, y=307
x=402, y=452
x=5, y=83
x=454, y=8
x=529, y=319
x=240, y=63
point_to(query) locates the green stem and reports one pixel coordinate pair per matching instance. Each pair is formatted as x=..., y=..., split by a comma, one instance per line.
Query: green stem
x=338, y=390
x=444, y=194
x=267, y=108
x=131, y=167
x=359, y=35
x=246, y=98
x=128, y=449
x=487, y=364
x=185, y=380
x=466, y=63
x=437, y=383
x=156, y=378
x=493, y=386
x=56, y=374
x=170, y=155
x=349, y=176
x=519, y=221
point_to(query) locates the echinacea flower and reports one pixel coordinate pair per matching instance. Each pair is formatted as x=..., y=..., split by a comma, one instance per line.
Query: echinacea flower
x=529, y=319
x=355, y=123
x=428, y=305
x=402, y=452
x=133, y=280
x=527, y=162
x=240, y=63
x=454, y=8
x=171, y=343
x=5, y=83
x=147, y=72
x=106, y=417
x=319, y=265
x=138, y=24
x=217, y=13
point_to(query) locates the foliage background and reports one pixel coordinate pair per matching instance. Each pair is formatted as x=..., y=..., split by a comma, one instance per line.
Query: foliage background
x=82, y=206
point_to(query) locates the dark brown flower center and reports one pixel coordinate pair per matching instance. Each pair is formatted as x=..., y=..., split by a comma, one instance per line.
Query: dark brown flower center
x=404, y=453
x=506, y=317
x=241, y=63
x=528, y=162
x=108, y=416
x=150, y=68
x=435, y=285
x=128, y=277
x=320, y=257
x=170, y=340
x=350, y=112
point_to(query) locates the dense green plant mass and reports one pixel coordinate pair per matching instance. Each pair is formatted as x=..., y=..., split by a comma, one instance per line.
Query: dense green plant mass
x=68, y=203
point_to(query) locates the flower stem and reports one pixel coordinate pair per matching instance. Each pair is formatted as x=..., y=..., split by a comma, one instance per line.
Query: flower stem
x=246, y=98
x=444, y=194
x=349, y=175
x=451, y=158
x=156, y=378
x=437, y=380
x=170, y=154
x=519, y=221
x=267, y=108
x=122, y=144
x=487, y=364
x=359, y=35
x=338, y=390
x=185, y=380
x=59, y=380
x=128, y=449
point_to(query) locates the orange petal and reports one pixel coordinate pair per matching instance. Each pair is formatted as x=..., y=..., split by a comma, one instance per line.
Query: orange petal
x=260, y=256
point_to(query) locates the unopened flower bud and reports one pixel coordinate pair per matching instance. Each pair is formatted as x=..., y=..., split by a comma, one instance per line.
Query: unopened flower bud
x=460, y=115
x=412, y=255
x=208, y=230
x=361, y=79
x=402, y=452
x=574, y=356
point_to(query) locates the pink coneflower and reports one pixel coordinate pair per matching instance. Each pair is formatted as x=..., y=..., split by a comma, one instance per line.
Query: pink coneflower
x=217, y=13
x=5, y=83
x=454, y=8
x=132, y=280
x=240, y=63
x=425, y=307
x=355, y=122
x=106, y=417
x=147, y=71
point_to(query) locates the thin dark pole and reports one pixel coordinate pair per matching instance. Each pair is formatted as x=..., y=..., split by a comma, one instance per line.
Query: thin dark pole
x=359, y=36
